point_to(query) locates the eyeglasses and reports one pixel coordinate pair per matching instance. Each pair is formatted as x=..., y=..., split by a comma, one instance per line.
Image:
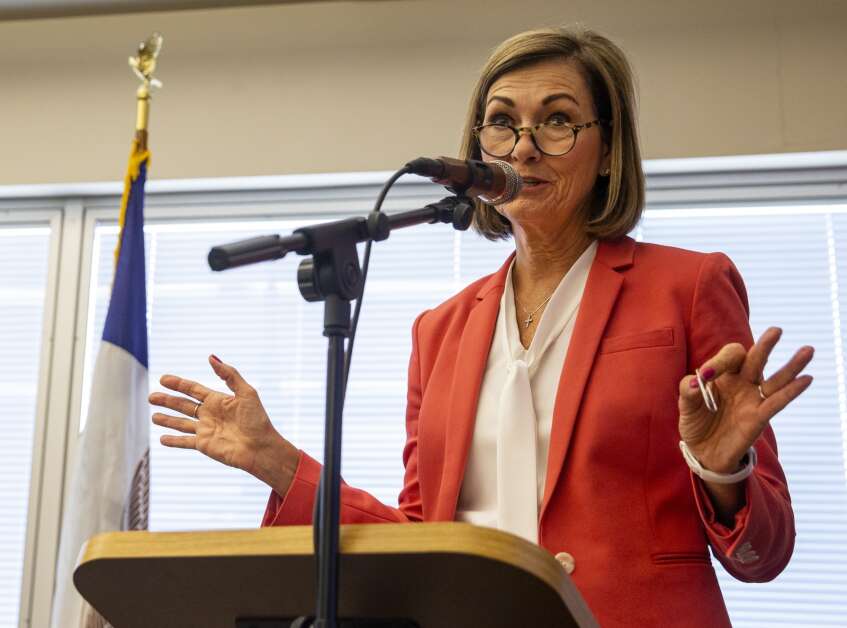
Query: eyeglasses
x=553, y=138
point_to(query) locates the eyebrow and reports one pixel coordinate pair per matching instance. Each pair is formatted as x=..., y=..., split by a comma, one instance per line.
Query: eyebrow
x=506, y=101
x=547, y=99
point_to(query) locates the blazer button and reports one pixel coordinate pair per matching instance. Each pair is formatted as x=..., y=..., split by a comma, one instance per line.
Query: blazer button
x=566, y=561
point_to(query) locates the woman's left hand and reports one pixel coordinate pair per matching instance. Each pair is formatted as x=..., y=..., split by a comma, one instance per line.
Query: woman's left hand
x=720, y=439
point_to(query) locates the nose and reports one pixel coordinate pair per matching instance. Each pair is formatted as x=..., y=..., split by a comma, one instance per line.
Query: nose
x=525, y=148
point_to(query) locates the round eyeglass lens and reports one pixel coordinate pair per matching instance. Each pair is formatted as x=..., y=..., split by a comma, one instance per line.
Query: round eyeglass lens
x=555, y=139
x=496, y=140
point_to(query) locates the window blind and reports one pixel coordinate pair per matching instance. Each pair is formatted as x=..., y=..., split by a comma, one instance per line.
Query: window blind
x=23, y=282
x=792, y=257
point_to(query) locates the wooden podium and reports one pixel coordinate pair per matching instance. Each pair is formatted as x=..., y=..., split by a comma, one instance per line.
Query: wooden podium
x=439, y=575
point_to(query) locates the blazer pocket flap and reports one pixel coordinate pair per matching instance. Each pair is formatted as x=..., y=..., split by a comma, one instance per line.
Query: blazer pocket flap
x=682, y=558
x=642, y=340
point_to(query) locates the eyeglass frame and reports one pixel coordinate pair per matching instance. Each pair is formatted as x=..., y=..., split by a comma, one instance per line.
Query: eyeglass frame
x=518, y=131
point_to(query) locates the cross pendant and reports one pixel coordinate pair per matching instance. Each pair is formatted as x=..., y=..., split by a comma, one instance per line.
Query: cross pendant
x=527, y=322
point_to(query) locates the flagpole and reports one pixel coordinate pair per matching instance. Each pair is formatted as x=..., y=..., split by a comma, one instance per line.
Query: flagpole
x=144, y=64
x=112, y=462
x=142, y=116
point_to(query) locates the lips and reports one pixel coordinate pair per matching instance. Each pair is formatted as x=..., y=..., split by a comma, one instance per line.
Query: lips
x=530, y=181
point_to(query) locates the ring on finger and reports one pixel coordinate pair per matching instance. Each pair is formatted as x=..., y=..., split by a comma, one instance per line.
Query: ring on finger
x=761, y=392
x=196, y=410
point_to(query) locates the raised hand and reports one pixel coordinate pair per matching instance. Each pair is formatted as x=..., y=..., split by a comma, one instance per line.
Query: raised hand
x=232, y=429
x=746, y=401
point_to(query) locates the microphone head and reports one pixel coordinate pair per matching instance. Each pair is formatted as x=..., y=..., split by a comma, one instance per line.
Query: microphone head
x=511, y=186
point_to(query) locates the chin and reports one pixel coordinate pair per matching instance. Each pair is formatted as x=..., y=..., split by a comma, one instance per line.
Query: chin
x=529, y=214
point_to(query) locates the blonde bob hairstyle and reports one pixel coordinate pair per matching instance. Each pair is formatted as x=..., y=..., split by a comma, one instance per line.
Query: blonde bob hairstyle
x=617, y=201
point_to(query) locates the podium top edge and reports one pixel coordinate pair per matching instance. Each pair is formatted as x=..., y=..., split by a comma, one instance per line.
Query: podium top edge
x=381, y=538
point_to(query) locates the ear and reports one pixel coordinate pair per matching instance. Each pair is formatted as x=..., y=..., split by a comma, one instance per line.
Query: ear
x=607, y=152
x=606, y=159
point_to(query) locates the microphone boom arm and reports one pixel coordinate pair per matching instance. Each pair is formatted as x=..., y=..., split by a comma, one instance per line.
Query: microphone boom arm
x=377, y=226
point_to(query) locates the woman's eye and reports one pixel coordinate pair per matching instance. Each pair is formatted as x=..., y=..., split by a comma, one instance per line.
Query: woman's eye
x=499, y=118
x=558, y=119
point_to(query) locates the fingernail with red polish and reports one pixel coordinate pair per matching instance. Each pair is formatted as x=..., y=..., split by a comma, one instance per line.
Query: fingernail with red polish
x=694, y=383
x=708, y=374
x=216, y=359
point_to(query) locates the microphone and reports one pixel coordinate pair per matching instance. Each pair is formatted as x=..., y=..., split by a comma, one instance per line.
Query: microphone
x=494, y=182
x=253, y=250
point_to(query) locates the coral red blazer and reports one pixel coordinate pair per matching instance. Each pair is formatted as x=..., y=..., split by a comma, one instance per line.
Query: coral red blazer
x=618, y=495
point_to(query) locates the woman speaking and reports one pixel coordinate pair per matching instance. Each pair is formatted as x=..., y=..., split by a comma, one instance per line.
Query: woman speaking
x=600, y=397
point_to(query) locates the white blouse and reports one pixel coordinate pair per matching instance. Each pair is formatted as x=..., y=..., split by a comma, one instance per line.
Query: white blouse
x=504, y=477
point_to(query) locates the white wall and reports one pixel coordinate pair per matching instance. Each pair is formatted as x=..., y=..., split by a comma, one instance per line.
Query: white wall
x=343, y=86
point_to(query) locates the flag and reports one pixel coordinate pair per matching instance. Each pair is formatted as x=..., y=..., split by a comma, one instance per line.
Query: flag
x=110, y=483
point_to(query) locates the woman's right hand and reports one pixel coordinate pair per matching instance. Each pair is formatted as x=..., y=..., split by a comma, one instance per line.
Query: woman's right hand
x=232, y=429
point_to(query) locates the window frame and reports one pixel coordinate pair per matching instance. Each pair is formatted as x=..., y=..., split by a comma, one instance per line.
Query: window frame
x=74, y=210
x=46, y=466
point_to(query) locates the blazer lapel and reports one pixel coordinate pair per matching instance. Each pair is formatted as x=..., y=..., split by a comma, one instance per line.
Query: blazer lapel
x=472, y=356
x=598, y=300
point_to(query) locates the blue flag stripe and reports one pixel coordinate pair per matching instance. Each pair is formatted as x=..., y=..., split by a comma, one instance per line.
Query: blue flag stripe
x=126, y=321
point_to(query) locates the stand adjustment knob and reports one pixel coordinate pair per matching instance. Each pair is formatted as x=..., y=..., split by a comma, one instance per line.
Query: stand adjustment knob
x=307, y=281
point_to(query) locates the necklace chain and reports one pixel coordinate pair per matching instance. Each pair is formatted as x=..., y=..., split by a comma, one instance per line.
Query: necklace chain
x=530, y=316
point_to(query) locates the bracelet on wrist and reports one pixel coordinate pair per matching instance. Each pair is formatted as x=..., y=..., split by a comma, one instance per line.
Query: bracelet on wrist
x=748, y=462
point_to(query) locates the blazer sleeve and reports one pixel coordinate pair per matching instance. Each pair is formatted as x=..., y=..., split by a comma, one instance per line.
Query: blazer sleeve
x=358, y=506
x=760, y=543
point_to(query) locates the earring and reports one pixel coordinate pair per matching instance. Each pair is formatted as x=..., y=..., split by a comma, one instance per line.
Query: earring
x=606, y=172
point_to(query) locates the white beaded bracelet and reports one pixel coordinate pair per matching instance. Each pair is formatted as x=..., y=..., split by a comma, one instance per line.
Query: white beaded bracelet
x=748, y=462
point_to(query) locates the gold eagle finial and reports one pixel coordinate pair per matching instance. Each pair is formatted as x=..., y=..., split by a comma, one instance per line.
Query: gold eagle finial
x=144, y=62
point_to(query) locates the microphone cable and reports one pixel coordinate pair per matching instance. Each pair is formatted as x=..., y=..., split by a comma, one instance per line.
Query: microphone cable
x=354, y=323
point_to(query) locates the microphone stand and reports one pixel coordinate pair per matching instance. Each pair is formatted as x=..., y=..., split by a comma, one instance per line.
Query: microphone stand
x=332, y=274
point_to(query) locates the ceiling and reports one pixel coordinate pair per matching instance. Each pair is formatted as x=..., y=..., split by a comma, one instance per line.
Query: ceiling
x=33, y=9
